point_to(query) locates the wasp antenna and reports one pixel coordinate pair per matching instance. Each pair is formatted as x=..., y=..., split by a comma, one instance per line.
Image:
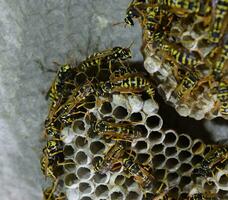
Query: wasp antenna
x=118, y=23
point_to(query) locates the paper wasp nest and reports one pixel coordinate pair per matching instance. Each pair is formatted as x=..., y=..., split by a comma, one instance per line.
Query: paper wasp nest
x=188, y=36
x=171, y=155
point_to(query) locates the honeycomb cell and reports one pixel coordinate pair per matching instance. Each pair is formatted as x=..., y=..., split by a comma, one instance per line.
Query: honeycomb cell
x=184, y=156
x=78, y=125
x=100, y=178
x=140, y=145
x=101, y=191
x=117, y=196
x=68, y=150
x=81, y=142
x=83, y=173
x=156, y=137
x=198, y=147
x=196, y=159
x=119, y=180
x=132, y=195
x=97, y=147
x=173, y=192
x=143, y=158
x=170, y=151
x=158, y=160
x=142, y=129
x=184, y=141
x=130, y=183
x=157, y=148
x=70, y=180
x=172, y=163
x=120, y=112
x=90, y=102
x=223, y=180
x=136, y=117
x=81, y=157
x=170, y=138
x=106, y=108
x=85, y=187
x=160, y=174
x=154, y=122
x=185, y=167
x=172, y=178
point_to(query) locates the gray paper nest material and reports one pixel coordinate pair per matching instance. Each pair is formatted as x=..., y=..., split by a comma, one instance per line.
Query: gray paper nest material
x=40, y=32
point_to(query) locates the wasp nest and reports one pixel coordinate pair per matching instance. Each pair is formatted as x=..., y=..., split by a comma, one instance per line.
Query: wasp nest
x=185, y=44
x=74, y=161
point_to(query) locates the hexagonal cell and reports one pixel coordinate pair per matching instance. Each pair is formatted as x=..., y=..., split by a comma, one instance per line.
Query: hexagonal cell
x=170, y=138
x=210, y=186
x=120, y=112
x=158, y=160
x=154, y=122
x=81, y=157
x=85, y=187
x=130, y=183
x=172, y=163
x=101, y=191
x=142, y=129
x=196, y=159
x=119, y=180
x=185, y=167
x=143, y=158
x=170, y=151
x=184, y=155
x=132, y=195
x=223, y=180
x=173, y=192
x=136, y=117
x=100, y=178
x=117, y=196
x=70, y=179
x=81, y=142
x=83, y=173
x=155, y=137
x=160, y=174
x=78, y=125
x=172, y=178
x=97, y=147
x=68, y=150
x=184, y=141
x=198, y=147
x=140, y=145
x=106, y=108
x=157, y=148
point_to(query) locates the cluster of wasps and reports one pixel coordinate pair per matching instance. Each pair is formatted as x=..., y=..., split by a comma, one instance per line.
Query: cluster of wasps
x=191, y=69
x=71, y=94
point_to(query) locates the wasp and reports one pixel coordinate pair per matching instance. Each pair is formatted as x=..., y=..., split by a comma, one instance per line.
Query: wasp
x=112, y=156
x=104, y=57
x=221, y=62
x=78, y=97
x=62, y=84
x=219, y=22
x=222, y=95
x=133, y=11
x=179, y=54
x=141, y=173
x=213, y=157
x=50, y=193
x=190, y=80
x=133, y=83
x=116, y=131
